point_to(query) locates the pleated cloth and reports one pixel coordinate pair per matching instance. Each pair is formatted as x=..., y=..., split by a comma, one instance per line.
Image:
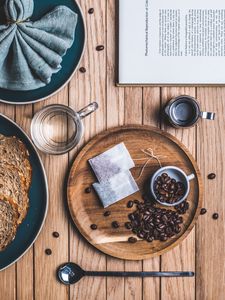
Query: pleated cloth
x=31, y=52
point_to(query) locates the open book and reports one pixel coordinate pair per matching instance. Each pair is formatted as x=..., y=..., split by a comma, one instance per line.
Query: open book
x=171, y=42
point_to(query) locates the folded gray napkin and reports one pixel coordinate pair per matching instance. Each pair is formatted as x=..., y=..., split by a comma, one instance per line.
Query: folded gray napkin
x=31, y=52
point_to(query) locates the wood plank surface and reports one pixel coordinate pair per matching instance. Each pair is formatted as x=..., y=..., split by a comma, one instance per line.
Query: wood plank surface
x=151, y=114
x=133, y=102
x=46, y=285
x=85, y=88
x=115, y=117
x=210, y=241
x=183, y=256
x=33, y=277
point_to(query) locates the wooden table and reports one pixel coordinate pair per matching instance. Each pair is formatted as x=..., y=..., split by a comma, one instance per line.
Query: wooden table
x=33, y=277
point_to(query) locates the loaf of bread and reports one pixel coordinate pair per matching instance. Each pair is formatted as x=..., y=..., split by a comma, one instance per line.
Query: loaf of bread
x=15, y=181
x=13, y=189
x=14, y=153
x=8, y=223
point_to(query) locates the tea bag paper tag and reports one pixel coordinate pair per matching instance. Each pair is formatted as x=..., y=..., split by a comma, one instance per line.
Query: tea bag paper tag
x=112, y=162
x=116, y=188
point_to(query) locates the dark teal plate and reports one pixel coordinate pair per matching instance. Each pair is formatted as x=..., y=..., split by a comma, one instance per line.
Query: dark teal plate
x=32, y=224
x=70, y=60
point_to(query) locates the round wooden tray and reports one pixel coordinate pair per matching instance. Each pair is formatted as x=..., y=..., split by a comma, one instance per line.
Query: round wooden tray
x=86, y=209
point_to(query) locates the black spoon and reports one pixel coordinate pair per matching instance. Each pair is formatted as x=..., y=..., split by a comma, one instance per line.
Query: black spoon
x=71, y=273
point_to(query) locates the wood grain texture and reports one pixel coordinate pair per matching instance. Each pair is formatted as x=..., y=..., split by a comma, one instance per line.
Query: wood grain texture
x=183, y=256
x=203, y=249
x=56, y=168
x=86, y=209
x=133, y=115
x=84, y=88
x=210, y=241
x=151, y=116
x=25, y=267
x=115, y=117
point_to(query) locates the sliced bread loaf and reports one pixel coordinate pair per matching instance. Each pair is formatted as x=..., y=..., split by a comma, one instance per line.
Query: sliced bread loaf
x=14, y=153
x=8, y=223
x=12, y=188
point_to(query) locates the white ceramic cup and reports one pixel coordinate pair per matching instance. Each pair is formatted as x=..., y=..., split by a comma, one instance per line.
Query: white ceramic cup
x=178, y=175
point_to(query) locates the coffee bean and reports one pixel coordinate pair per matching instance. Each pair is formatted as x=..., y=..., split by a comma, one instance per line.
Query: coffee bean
x=107, y=213
x=182, y=207
x=153, y=223
x=115, y=224
x=128, y=225
x=215, y=216
x=130, y=204
x=82, y=70
x=131, y=217
x=132, y=240
x=136, y=201
x=203, y=211
x=91, y=11
x=55, y=234
x=88, y=190
x=94, y=226
x=100, y=48
x=163, y=237
x=150, y=239
x=48, y=251
x=167, y=189
x=212, y=176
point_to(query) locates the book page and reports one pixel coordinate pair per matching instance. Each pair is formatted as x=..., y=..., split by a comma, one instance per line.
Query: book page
x=171, y=42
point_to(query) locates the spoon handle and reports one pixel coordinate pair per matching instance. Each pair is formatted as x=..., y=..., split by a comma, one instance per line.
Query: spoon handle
x=140, y=274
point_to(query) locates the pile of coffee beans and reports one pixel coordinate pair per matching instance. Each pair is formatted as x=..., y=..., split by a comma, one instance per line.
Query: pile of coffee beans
x=182, y=207
x=151, y=223
x=168, y=190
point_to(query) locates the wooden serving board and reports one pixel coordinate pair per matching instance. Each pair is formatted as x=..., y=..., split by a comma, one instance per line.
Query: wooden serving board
x=86, y=209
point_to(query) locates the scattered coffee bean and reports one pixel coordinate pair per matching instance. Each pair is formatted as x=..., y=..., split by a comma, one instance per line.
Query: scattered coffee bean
x=182, y=207
x=107, y=213
x=82, y=70
x=212, y=176
x=215, y=216
x=203, y=211
x=128, y=225
x=167, y=189
x=136, y=201
x=100, y=48
x=91, y=11
x=152, y=223
x=88, y=190
x=94, y=226
x=115, y=224
x=48, y=251
x=132, y=240
x=130, y=204
x=55, y=234
x=145, y=198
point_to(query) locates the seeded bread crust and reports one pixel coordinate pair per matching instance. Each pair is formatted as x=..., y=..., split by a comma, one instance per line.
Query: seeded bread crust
x=13, y=153
x=15, y=181
x=8, y=223
x=13, y=189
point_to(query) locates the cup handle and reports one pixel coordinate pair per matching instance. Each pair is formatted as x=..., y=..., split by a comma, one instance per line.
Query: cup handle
x=190, y=177
x=87, y=110
x=207, y=115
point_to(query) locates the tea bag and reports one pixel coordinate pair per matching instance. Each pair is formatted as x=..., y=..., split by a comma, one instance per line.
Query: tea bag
x=116, y=188
x=111, y=162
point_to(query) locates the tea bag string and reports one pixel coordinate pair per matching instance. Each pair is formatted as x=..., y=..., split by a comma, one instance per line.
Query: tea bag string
x=149, y=152
x=10, y=22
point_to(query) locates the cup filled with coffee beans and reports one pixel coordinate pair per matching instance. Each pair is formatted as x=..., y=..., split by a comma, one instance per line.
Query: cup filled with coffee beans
x=170, y=186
